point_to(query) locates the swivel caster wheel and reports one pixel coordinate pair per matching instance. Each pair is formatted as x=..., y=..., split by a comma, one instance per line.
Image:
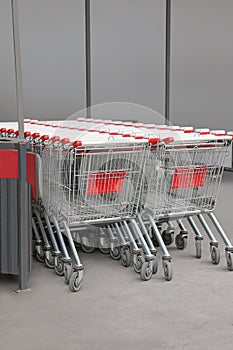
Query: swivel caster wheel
x=125, y=256
x=155, y=266
x=215, y=255
x=67, y=272
x=39, y=257
x=146, y=271
x=50, y=262
x=198, y=245
x=181, y=241
x=167, y=269
x=115, y=253
x=229, y=258
x=88, y=248
x=75, y=282
x=138, y=262
x=59, y=267
x=167, y=237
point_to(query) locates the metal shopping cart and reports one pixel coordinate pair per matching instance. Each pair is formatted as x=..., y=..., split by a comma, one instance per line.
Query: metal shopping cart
x=183, y=178
x=92, y=184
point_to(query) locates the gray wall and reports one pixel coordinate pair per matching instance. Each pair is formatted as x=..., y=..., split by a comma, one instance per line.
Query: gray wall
x=127, y=53
x=202, y=69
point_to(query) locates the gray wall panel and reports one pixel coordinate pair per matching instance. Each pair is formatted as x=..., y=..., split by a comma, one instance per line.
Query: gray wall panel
x=202, y=58
x=128, y=52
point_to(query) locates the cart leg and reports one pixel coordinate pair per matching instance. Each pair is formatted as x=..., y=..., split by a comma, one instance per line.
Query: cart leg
x=104, y=245
x=115, y=251
x=214, y=248
x=38, y=242
x=181, y=238
x=64, y=263
x=166, y=256
x=148, y=265
x=229, y=247
x=76, y=276
x=198, y=237
x=138, y=259
x=49, y=260
x=146, y=235
x=56, y=252
x=168, y=234
x=125, y=248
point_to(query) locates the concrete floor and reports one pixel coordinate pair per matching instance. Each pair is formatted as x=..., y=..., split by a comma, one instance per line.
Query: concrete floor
x=116, y=310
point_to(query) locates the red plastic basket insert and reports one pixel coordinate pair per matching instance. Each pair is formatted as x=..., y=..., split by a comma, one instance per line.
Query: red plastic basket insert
x=106, y=182
x=187, y=177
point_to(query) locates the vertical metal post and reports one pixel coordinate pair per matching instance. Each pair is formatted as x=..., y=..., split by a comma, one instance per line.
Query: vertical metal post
x=88, y=55
x=168, y=60
x=18, y=69
x=23, y=239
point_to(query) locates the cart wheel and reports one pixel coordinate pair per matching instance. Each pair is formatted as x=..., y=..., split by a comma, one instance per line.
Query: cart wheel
x=167, y=269
x=215, y=255
x=154, y=241
x=146, y=271
x=75, y=283
x=229, y=261
x=39, y=257
x=125, y=256
x=50, y=262
x=115, y=253
x=104, y=250
x=138, y=264
x=88, y=248
x=67, y=273
x=181, y=242
x=155, y=266
x=167, y=237
x=59, y=268
x=198, y=245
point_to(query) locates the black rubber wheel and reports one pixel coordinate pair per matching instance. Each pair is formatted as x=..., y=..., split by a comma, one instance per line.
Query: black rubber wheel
x=155, y=265
x=115, y=253
x=229, y=258
x=215, y=255
x=67, y=273
x=40, y=258
x=167, y=269
x=75, y=283
x=138, y=264
x=198, y=245
x=88, y=249
x=126, y=257
x=50, y=263
x=167, y=237
x=181, y=242
x=146, y=271
x=59, y=268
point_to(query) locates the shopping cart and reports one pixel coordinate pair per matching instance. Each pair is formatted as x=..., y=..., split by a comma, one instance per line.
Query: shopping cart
x=183, y=178
x=93, y=184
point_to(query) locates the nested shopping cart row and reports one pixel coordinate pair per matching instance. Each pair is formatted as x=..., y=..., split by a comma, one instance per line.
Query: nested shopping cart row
x=121, y=179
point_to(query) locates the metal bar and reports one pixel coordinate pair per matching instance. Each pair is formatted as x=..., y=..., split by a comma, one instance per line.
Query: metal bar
x=207, y=229
x=134, y=227
x=88, y=55
x=167, y=60
x=220, y=230
x=18, y=68
x=22, y=222
x=181, y=225
x=145, y=233
x=158, y=237
x=194, y=227
x=71, y=244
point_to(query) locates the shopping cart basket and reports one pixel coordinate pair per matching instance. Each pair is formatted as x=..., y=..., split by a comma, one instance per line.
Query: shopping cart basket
x=92, y=184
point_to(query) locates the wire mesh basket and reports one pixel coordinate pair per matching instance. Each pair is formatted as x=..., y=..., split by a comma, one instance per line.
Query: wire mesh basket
x=93, y=184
